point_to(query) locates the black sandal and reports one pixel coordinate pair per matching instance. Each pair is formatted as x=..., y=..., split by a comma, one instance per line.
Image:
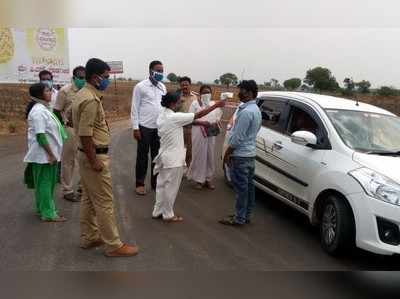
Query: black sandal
x=230, y=221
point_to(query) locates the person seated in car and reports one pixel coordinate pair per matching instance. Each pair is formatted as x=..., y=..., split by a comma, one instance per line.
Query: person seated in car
x=303, y=122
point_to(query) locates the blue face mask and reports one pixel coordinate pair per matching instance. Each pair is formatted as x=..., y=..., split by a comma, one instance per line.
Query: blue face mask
x=103, y=84
x=49, y=83
x=158, y=76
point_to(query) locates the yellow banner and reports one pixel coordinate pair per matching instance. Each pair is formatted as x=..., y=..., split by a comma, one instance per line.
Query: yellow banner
x=25, y=52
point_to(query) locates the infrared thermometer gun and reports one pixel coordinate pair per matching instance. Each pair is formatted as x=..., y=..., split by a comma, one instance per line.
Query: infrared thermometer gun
x=226, y=95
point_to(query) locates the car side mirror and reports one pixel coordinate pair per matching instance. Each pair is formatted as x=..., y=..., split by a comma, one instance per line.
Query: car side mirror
x=304, y=138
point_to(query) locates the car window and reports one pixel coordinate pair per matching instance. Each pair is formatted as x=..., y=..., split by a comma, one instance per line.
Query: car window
x=366, y=131
x=274, y=114
x=304, y=118
x=300, y=120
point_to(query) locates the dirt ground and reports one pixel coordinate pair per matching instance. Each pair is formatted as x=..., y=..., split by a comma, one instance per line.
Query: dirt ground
x=117, y=103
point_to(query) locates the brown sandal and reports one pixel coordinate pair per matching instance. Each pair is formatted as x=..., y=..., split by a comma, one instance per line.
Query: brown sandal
x=209, y=185
x=174, y=219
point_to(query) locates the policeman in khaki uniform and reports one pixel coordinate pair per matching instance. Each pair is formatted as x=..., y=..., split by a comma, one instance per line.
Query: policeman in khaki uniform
x=63, y=110
x=186, y=99
x=98, y=223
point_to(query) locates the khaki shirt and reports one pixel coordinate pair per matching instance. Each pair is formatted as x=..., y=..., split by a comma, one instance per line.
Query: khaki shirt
x=89, y=117
x=186, y=102
x=64, y=100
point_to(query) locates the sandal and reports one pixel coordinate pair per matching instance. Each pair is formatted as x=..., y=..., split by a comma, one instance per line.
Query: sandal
x=248, y=221
x=230, y=221
x=140, y=190
x=198, y=186
x=174, y=219
x=56, y=219
x=209, y=185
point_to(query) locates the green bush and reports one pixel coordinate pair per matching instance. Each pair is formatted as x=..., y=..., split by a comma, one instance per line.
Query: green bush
x=387, y=91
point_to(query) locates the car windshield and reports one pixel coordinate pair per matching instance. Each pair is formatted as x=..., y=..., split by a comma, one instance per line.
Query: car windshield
x=367, y=132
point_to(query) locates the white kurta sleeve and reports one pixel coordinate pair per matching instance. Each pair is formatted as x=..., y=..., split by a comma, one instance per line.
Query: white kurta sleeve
x=193, y=107
x=182, y=119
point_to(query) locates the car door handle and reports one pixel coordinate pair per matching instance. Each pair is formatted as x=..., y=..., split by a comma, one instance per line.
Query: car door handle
x=278, y=145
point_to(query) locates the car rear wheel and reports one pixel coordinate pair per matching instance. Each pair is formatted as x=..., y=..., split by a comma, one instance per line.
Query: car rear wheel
x=337, y=226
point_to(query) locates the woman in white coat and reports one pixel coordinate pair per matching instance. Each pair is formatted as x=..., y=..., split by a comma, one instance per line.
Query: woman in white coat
x=170, y=162
x=45, y=140
x=204, y=134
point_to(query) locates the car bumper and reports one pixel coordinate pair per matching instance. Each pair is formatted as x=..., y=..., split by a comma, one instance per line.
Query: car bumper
x=367, y=210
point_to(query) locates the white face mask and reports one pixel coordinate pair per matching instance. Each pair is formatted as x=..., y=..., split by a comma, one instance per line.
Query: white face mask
x=206, y=99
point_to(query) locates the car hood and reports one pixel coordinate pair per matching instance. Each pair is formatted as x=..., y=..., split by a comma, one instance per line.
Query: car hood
x=386, y=165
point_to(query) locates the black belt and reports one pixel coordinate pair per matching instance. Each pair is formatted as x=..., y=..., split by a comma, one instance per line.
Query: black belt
x=99, y=150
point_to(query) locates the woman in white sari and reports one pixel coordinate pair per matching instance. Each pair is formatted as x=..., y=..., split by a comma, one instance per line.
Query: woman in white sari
x=204, y=133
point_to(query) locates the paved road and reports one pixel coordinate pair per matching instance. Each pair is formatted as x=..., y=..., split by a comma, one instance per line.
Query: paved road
x=279, y=239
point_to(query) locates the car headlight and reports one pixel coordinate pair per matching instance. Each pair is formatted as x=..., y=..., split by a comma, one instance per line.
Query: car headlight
x=377, y=185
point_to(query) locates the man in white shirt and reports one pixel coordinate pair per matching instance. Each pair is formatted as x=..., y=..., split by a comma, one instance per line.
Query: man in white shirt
x=46, y=77
x=170, y=161
x=146, y=107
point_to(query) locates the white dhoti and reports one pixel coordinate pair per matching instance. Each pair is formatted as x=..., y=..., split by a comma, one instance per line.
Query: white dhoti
x=168, y=183
x=202, y=167
x=170, y=161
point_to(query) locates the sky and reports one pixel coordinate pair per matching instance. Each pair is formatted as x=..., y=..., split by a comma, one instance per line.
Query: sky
x=251, y=53
x=258, y=39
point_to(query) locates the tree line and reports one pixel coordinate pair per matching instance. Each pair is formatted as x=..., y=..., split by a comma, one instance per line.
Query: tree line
x=317, y=79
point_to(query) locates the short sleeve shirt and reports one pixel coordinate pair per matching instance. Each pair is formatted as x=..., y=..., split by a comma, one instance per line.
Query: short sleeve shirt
x=186, y=102
x=64, y=100
x=89, y=117
x=41, y=121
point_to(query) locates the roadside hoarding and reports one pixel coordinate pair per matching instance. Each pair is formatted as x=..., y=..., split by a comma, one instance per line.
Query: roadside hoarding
x=25, y=52
x=117, y=67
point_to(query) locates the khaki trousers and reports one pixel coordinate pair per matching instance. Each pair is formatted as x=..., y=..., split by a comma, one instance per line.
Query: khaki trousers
x=68, y=161
x=97, y=217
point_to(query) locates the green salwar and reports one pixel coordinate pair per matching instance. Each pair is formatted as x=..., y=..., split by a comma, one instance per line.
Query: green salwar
x=43, y=178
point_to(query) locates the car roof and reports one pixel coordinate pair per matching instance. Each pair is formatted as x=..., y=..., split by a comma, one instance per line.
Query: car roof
x=326, y=102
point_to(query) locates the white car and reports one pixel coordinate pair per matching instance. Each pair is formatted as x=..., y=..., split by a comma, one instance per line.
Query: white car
x=338, y=162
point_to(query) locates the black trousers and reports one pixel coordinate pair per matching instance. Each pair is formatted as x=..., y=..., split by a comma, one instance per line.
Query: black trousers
x=149, y=142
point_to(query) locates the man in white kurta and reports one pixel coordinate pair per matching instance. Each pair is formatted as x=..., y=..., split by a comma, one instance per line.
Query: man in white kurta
x=170, y=162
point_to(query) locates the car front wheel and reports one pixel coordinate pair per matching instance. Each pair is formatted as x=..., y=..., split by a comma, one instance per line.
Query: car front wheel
x=337, y=226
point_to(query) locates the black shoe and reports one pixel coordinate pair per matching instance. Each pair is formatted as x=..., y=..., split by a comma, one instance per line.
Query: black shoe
x=72, y=197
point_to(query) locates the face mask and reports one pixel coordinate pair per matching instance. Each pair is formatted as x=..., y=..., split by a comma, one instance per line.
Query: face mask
x=157, y=76
x=205, y=99
x=79, y=83
x=103, y=84
x=49, y=83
